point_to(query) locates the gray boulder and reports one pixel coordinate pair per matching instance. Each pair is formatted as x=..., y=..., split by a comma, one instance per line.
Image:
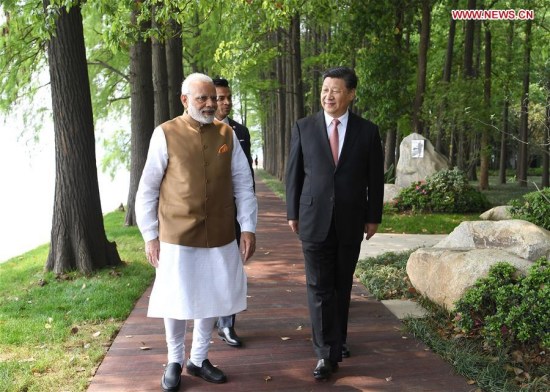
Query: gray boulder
x=417, y=160
x=497, y=214
x=518, y=237
x=444, y=275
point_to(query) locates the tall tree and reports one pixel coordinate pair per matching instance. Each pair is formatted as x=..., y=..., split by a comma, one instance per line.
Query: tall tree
x=506, y=107
x=447, y=68
x=545, y=181
x=485, y=153
x=142, y=120
x=523, y=158
x=78, y=238
x=174, y=64
x=422, y=65
x=160, y=72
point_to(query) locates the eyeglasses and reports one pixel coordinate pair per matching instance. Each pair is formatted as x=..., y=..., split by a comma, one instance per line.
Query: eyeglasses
x=203, y=98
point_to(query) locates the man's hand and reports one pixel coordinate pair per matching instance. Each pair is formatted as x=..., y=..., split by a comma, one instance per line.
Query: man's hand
x=248, y=244
x=152, y=250
x=370, y=230
x=293, y=225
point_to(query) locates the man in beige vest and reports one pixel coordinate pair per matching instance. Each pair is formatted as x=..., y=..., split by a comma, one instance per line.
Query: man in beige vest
x=195, y=174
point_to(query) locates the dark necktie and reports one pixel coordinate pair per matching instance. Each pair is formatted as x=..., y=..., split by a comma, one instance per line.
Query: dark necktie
x=334, y=140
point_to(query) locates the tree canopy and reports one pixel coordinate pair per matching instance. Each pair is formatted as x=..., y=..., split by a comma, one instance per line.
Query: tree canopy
x=478, y=89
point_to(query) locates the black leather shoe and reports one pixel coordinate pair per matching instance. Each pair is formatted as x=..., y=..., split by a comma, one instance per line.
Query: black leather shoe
x=345, y=351
x=230, y=337
x=206, y=372
x=171, y=378
x=324, y=369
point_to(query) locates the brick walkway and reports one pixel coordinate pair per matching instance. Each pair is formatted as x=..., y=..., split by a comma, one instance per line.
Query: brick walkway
x=277, y=354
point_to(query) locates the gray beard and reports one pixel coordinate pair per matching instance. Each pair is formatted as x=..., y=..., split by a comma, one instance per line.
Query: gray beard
x=198, y=116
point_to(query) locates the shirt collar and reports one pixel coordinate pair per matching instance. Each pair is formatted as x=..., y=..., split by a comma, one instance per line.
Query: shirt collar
x=343, y=119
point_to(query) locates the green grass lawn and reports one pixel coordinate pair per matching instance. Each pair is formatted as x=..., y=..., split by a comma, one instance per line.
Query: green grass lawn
x=54, y=331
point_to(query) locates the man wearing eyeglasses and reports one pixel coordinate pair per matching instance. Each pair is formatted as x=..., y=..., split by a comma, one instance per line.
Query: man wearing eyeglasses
x=226, y=324
x=194, y=176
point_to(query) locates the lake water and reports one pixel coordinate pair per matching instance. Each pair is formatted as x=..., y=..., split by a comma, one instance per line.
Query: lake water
x=27, y=178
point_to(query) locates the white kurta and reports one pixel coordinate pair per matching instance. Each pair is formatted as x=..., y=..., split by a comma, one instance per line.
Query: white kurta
x=195, y=283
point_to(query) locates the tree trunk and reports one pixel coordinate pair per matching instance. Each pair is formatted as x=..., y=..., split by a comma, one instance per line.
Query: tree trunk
x=450, y=47
x=422, y=66
x=297, y=83
x=447, y=69
x=174, y=67
x=505, y=113
x=485, y=149
x=524, y=115
x=78, y=238
x=545, y=181
x=390, y=147
x=160, y=76
x=142, y=114
x=469, y=43
x=504, y=143
x=281, y=106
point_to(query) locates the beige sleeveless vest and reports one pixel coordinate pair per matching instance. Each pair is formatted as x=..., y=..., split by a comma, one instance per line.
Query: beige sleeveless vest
x=196, y=206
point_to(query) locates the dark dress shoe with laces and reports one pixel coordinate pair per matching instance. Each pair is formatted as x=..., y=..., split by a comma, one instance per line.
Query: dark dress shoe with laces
x=206, y=372
x=229, y=335
x=324, y=369
x=345, y=351
x=171, y=378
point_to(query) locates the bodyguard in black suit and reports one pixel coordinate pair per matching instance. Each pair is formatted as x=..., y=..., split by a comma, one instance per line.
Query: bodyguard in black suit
x=334, y=193
x=226, y=324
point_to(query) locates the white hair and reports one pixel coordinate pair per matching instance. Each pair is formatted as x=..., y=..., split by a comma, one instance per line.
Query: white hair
x=194, y=77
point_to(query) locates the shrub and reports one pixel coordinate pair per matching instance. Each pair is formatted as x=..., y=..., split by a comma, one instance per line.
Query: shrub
x=385, y=276
x=508, y=309
x=445, y=191
x=534, y=207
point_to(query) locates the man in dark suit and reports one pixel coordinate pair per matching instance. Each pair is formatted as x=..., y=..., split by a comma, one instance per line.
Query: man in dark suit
x=334, y=193
x=226, y=324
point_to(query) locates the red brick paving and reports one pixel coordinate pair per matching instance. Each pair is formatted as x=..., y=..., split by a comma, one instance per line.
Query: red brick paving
x=382, y=357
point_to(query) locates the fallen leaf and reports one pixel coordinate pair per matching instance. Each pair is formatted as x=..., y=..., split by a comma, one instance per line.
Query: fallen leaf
x=471, y=382
x=145, y=348
x=267, y=378
x=47, y=326
x=388, y=379
x=266, y=253
x=96, y=334
x=83, y=286
x=285, y=338
x=74, y=330
x=129, y=336
x=299, y=328
x=518, y=371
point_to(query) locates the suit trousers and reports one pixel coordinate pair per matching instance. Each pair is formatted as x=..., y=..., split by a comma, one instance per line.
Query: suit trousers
x=330, y=266
x=229, y=321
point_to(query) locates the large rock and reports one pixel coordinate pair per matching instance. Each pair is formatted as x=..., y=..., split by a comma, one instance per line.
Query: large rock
x=497, y=214
x=518, y=237
x=390, y=192
x=418, y=164
x=444, y=275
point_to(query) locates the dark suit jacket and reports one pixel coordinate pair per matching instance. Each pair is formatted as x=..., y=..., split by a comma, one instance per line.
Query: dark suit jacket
x=316, y=188
x=244, y=138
